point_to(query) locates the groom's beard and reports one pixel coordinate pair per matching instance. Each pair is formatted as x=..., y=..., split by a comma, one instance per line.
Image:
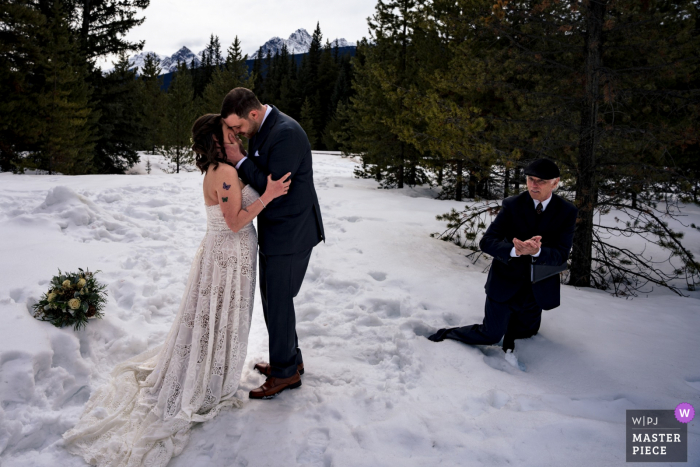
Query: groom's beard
x=254, y=127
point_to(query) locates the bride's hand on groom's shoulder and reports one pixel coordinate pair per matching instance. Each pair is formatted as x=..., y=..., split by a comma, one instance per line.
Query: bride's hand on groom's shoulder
x=277, y=188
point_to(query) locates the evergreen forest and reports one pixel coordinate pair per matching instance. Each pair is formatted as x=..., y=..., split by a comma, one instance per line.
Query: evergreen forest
x=456, y=94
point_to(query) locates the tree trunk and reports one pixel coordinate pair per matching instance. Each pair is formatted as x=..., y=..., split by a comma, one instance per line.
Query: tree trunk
x=516, y=177
x=582, y=256
x=440, y=175
x=412, y=174
x=472, y=184
x=458, y=191
x=399, y=173
x=85, y=26
x=482, y=188
x=506, y=182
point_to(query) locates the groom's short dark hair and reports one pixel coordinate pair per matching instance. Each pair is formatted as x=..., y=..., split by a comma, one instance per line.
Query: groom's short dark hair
x=239, y=101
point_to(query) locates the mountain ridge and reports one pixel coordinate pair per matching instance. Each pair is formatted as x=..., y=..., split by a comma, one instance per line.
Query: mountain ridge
x=298, y=42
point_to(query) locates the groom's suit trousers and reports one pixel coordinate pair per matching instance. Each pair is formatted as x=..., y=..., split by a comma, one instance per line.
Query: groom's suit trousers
x=280, y=280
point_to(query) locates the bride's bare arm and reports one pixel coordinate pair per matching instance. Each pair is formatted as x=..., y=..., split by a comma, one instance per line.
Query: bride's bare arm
x=229, y=194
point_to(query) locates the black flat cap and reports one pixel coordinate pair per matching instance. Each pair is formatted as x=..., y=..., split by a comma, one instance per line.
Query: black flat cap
x=542, y=168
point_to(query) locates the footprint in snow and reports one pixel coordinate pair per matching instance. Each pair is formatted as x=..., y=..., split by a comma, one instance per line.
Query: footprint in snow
x=314, y=448
x=377, y=276
x=497, y=399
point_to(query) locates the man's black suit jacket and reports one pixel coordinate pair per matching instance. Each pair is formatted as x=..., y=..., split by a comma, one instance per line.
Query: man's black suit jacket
x=291, y=223
x=518, y=219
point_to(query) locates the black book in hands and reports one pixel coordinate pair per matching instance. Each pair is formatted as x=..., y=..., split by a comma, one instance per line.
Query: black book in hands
x=543, y=271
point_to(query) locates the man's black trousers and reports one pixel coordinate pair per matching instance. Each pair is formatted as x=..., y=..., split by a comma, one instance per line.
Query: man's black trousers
x=517, y=318
x=280, y=280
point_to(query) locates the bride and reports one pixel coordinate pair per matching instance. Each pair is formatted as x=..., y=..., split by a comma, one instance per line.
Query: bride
x=144, y=414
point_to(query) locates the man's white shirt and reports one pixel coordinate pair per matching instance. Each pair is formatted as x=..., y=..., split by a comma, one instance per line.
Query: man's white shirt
x=544, y=206
x=267, y=112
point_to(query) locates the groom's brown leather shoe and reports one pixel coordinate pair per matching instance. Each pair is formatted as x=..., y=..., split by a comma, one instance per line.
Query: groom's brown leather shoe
x=274, y=386
x=265, y=368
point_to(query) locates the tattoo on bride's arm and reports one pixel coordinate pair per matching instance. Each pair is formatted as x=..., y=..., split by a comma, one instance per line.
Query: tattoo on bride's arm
x=225, y=200
x=226, y=187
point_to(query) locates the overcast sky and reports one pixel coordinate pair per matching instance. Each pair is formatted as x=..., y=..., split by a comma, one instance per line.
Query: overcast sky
x=171, y=24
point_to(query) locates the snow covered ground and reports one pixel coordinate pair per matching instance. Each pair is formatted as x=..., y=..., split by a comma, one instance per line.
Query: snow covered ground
x=376, y=392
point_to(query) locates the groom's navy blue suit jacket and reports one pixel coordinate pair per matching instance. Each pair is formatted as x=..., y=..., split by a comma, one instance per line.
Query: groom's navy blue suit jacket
x=291, y=223
x=518, y=219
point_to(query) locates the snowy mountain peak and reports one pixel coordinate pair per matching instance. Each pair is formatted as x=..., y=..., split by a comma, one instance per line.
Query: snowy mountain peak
x=300, y=38
x=342, y=43
x=169, y=64
x=139, y=60
x=299, y=42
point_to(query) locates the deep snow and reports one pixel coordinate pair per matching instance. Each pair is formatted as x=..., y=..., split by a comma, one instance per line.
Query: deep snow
x=375, y=391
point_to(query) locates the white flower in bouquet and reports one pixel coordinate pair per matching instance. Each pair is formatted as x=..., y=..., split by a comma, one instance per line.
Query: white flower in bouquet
x=81, y=283
x=66, y=284
x=51, y=297
x=74, y=303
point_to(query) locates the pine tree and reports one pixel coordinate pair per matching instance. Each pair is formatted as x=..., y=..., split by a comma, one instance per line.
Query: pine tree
x=267, y=89
x=65, y=141
x=307, y=122
x=259, y=80
x=212, y=60
x=181, y=113
x=293, y=99
x=47, y=61
x=154, y=101
x=273, y=79
x=286, y=79
x=102, y=25
x=326, y=78
x=385, y=70
x=233, y=74
x=19, y=52
x=121, y=130
x=314, y=59
x=342, y=91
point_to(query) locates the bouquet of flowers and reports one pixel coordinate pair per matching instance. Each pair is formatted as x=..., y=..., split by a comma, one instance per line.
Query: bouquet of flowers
x=71, y=300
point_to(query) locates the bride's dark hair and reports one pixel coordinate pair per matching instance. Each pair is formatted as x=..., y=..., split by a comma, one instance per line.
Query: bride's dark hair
x=207, y=151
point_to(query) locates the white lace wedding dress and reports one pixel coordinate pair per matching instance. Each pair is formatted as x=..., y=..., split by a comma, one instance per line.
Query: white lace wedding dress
x=143, y=416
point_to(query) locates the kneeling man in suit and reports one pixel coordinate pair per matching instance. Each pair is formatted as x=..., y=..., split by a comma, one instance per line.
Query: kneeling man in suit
x=534, y=227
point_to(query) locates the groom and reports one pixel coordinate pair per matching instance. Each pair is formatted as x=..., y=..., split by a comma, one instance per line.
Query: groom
x=288, y=227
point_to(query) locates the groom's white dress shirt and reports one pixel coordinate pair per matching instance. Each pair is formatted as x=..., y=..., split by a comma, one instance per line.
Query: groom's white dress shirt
x=544, y=206
x=267, y=112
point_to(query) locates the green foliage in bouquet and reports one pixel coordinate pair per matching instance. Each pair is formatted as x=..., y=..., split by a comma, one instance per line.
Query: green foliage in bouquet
x=71, y=300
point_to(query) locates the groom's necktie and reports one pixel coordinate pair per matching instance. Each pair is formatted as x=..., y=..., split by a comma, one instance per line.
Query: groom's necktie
x=538, y=209
x=251, y=145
